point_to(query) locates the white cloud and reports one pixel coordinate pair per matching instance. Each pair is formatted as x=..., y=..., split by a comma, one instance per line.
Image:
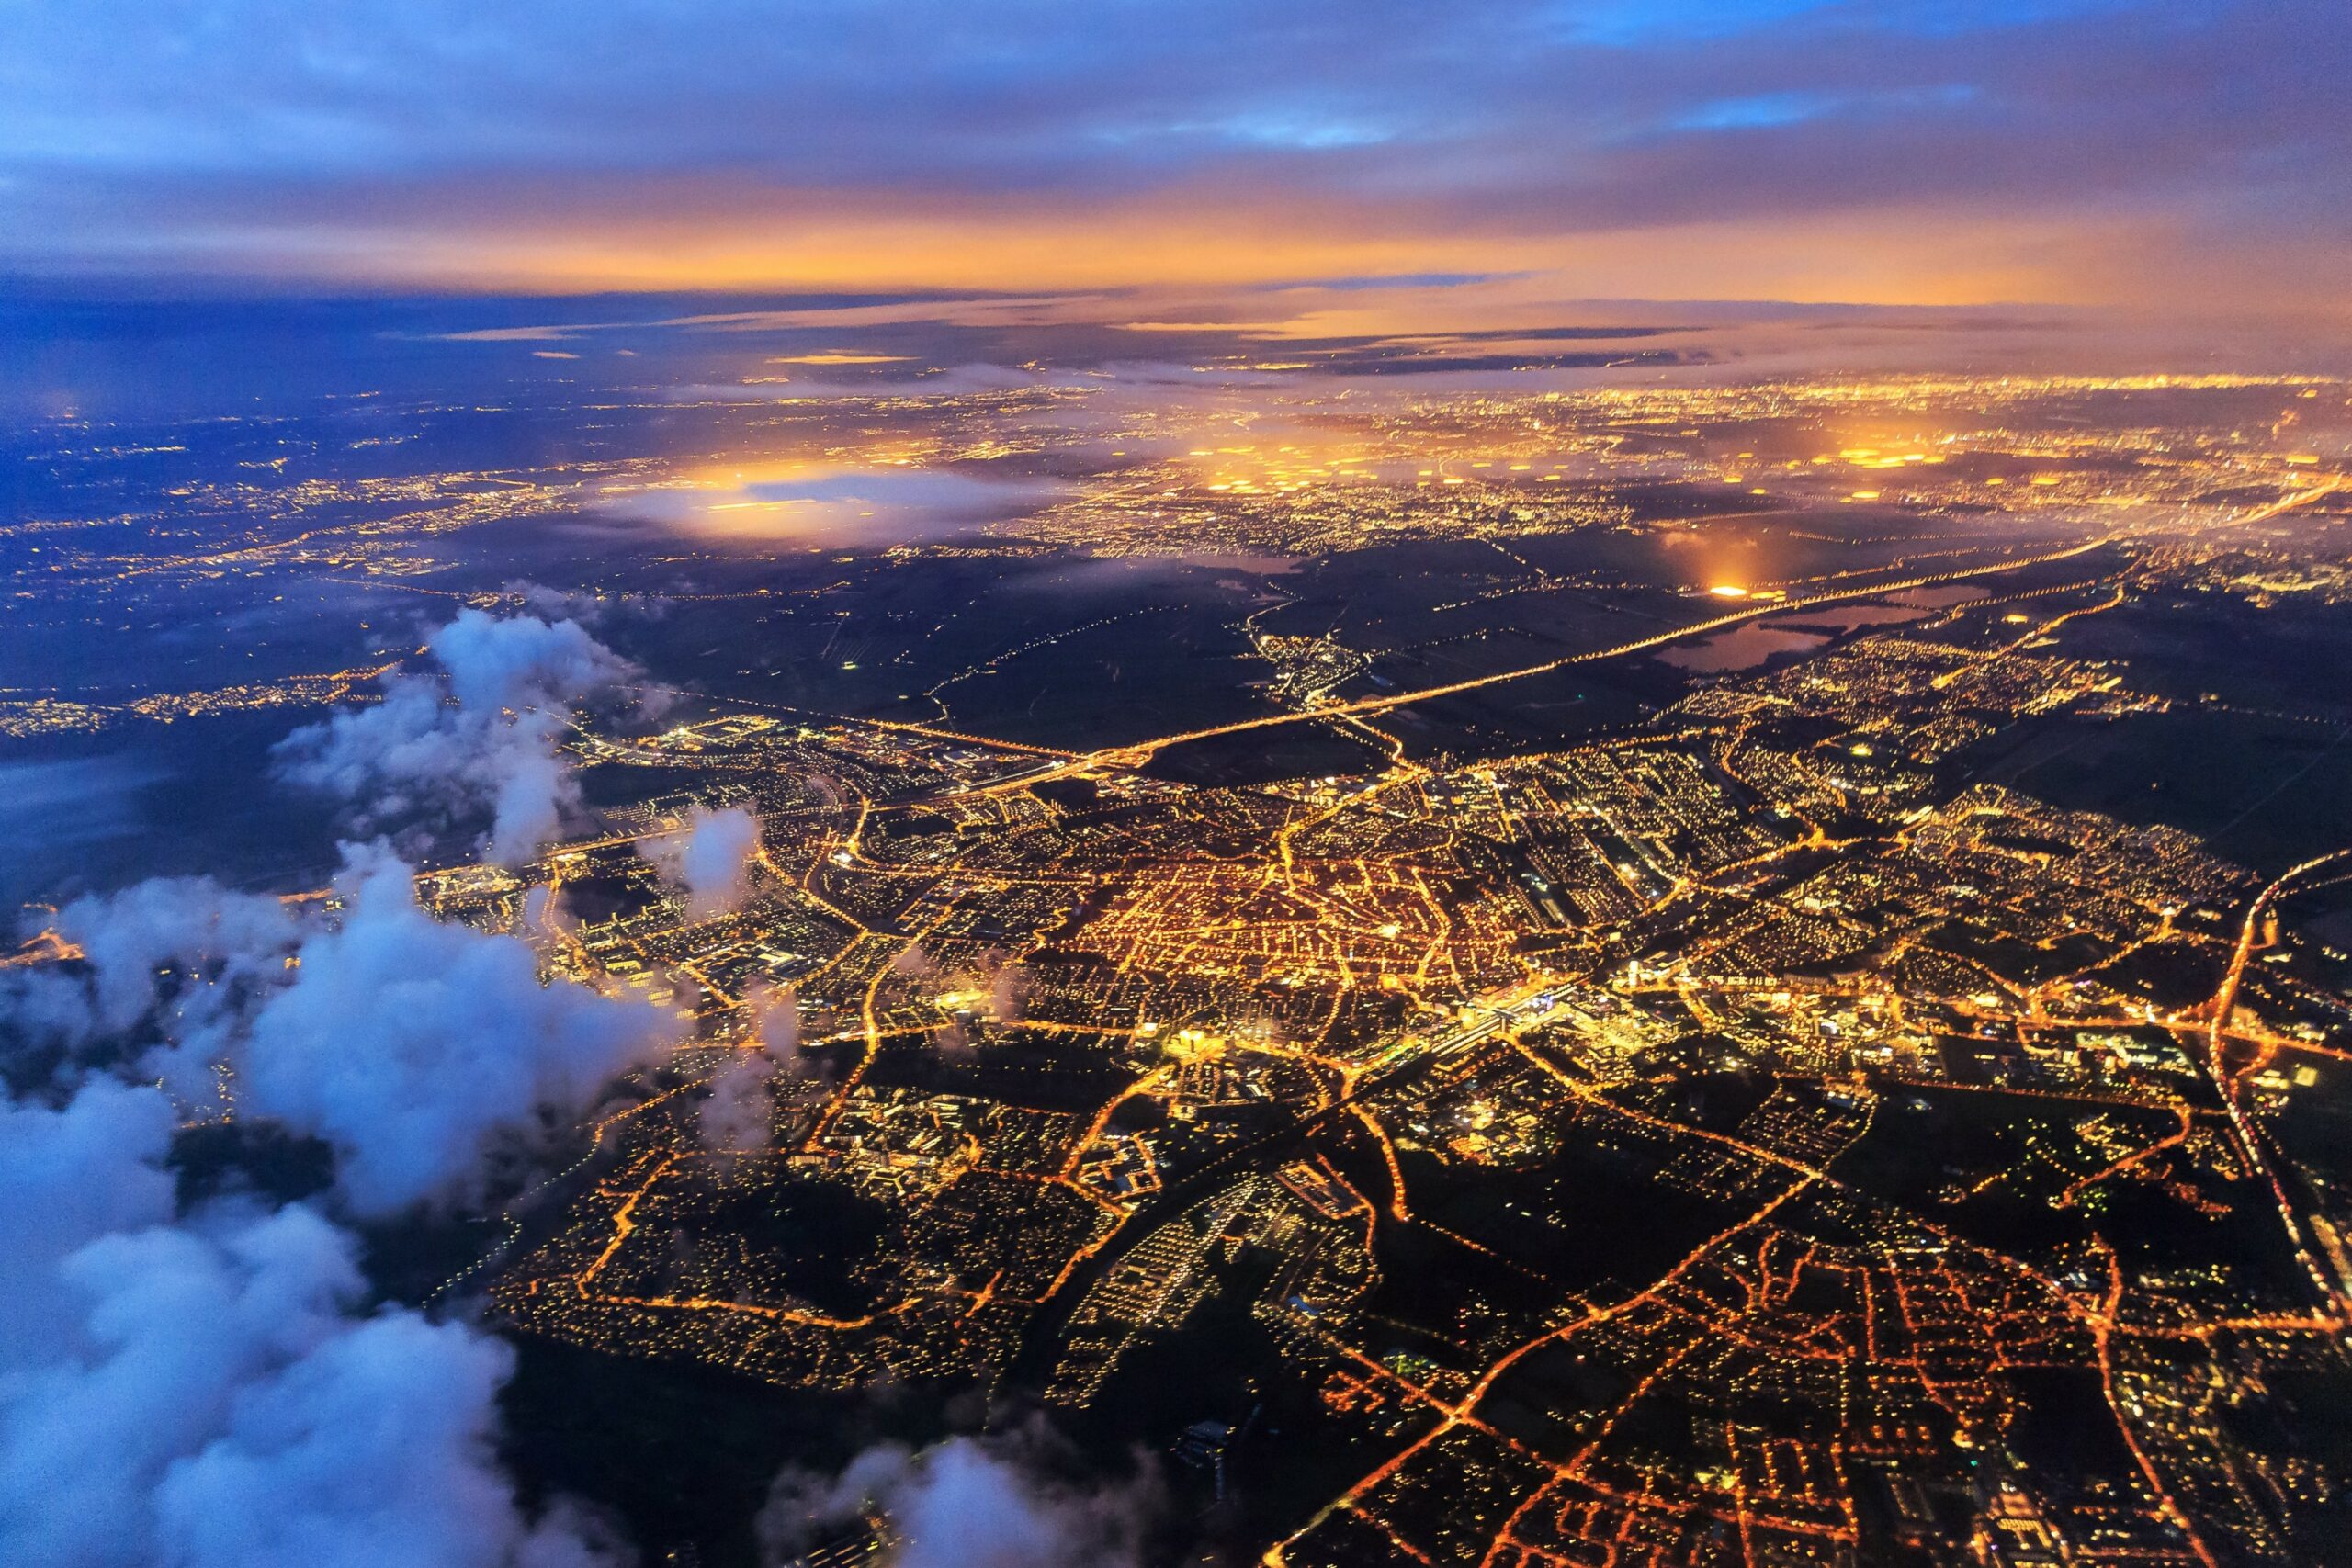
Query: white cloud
x=415, y=756
x=373, y=1450
x=709, y=859
x=218, y=944
x=203, y=1391
x=739, y=1109
x=67, y=1177
x=416, y=1048
x=411, y=1045
x=988, y=1502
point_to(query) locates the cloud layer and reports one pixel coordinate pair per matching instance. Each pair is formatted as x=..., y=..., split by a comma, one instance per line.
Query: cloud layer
x=1916, y=150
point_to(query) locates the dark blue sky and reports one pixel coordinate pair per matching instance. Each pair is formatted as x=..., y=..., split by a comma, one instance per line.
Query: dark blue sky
x=2187, y=153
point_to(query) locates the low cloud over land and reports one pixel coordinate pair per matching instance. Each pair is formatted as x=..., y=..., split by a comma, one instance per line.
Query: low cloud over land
x=708, y=859
x=213, y=1389
x=809, y=504
x=985, y=1501
x=479, y=743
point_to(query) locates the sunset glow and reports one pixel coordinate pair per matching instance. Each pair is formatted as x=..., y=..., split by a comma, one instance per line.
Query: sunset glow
x=1894, y=155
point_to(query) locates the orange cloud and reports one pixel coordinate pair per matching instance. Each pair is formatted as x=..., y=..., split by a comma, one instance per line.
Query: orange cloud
x=1926, y=255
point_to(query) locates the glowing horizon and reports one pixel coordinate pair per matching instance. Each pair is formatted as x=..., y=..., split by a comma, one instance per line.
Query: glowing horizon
x=2100, y=153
